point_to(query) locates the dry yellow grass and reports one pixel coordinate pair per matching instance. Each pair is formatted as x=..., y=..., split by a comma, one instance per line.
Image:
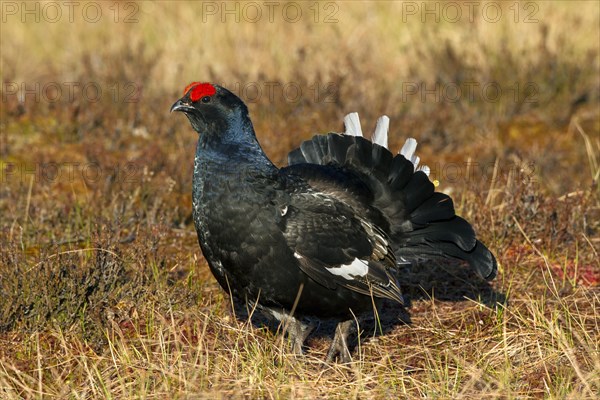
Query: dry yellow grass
x=103, y=289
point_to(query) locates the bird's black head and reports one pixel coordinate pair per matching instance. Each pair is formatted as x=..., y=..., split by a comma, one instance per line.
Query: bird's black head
x=211, y=108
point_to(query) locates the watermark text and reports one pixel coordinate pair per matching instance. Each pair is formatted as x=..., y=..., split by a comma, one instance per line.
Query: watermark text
x=270, y=11
x=70, y=11
x=489, y=92
x=68, y=92
x=461, y=11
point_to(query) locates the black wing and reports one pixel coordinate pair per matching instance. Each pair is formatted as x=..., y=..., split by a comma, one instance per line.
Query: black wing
x=334, y=245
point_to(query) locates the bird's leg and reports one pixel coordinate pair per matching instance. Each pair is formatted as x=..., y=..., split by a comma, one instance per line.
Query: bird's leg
x=296, y=330
x=339, y=346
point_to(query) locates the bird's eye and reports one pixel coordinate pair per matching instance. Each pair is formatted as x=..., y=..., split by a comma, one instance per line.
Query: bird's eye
x=206, y=99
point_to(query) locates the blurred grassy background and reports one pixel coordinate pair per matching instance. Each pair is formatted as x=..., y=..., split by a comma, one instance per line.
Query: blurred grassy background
x=98, y=248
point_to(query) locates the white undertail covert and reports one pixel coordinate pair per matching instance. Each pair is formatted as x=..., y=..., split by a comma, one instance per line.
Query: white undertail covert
x=380, y=137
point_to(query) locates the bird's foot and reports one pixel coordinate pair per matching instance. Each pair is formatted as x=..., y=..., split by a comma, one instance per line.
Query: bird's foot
x=296, y=330
x=339, y=346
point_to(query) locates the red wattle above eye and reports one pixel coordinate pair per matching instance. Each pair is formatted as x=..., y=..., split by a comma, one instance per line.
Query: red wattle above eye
x=199, y=90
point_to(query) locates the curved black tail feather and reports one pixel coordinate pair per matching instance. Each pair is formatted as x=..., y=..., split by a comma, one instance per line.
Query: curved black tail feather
x=423, y=224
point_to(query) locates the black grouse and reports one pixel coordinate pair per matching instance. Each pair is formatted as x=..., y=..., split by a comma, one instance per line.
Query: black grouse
x=324, y=236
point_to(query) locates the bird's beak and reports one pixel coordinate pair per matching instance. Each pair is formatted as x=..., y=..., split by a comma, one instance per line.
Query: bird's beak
x=181, y=105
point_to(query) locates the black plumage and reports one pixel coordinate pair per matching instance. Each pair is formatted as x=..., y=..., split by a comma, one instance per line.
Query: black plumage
x=322, y=237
